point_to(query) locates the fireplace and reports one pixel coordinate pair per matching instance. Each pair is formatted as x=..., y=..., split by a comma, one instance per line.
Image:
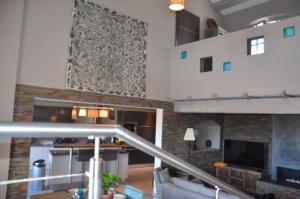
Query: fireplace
x=287, y=176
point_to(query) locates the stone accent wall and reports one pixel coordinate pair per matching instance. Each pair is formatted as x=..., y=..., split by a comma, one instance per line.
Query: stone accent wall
x=238, y=126
x=23, y=111
x=280, y=192
x=174, y=127
x=247, y=127
x=201, y=158
x=286, y=136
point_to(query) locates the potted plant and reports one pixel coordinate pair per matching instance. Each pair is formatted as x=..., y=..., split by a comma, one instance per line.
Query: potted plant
x=109, y=181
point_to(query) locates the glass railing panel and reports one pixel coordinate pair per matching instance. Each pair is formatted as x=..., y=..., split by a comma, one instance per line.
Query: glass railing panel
x=39, y=168
x=20, y=150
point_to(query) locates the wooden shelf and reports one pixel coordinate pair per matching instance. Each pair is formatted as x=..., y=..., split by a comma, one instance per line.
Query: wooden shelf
x=236, y=178
x=243, y=179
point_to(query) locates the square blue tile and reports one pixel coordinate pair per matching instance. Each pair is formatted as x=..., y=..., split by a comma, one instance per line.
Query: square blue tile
x=289, y=31
x=227, y=66
x=183, y=55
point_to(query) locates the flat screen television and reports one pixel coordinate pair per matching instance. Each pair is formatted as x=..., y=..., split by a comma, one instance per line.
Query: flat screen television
x=247, y=154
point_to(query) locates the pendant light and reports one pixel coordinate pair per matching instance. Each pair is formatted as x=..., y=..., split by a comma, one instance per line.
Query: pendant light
x=176, y=5
x=93, y=113
x=103, y=113
x=82, y=112
x=74, y=114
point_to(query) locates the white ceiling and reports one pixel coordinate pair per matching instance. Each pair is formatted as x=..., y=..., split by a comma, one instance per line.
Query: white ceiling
x=227, y=7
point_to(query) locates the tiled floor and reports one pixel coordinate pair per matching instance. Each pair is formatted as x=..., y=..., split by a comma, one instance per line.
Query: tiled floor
x=140, y=178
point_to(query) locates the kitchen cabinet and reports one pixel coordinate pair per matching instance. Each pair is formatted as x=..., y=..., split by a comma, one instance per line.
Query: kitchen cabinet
x=59, y=165
x=143, y=124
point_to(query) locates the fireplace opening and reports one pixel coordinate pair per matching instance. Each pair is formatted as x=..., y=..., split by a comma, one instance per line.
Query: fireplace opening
x=288, y=177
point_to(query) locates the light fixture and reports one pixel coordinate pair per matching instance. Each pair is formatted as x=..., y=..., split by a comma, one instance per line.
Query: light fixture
x=82, y=112
x=92, y=113
x=103, y=113
x=74, y=114
x=190, y=137
x=176, y=5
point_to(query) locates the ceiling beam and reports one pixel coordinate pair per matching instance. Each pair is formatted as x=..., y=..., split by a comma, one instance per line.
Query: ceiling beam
x=242, y=6
x=223, y=4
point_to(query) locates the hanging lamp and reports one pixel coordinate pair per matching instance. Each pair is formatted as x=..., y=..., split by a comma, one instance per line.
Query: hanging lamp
x=92, y=113
x=82, y=112
x=74, y=114
x=176, y=5
x=103, y=113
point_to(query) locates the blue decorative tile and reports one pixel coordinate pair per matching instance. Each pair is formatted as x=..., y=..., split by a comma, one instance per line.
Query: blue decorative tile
x=227, y=66
x=289, y=31
x=183, y=55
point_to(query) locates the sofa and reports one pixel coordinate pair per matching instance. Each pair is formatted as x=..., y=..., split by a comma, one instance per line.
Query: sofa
x=176, y=188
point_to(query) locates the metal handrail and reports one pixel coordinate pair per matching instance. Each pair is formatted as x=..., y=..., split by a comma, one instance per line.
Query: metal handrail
x=40, y=130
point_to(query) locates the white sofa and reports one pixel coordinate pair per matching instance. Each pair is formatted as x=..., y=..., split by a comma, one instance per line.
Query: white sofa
x=177, y=188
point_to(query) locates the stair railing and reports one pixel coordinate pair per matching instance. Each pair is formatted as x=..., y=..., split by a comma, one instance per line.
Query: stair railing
x=46, y=130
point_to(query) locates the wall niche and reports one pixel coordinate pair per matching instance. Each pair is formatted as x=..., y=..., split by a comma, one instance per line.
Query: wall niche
x=208, y=135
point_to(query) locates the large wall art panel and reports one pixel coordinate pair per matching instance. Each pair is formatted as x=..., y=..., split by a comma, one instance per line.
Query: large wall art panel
x=107, y=51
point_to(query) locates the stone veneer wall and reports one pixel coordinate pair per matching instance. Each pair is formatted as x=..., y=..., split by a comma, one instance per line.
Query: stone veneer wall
x=250, y=127
x=201, y=158
x=23, y=111
x=280, y=192
x=174, y=126
x=241, y=127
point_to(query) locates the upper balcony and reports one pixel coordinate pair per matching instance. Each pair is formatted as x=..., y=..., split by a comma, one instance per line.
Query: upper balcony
x=271, y=73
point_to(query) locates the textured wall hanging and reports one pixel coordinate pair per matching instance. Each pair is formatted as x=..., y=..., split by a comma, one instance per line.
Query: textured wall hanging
x=107, y=52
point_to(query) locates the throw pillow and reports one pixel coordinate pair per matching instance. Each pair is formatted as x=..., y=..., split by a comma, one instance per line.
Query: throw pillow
x=194, y=187
x=164, y=176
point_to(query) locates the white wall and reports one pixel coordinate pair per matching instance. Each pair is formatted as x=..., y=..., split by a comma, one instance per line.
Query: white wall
x=268, y=74
x=45, y=42
x=11, y=12
x=46, y=37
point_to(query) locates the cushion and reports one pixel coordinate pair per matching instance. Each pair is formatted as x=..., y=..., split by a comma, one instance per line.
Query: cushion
x=223, y=195
x=164, y=176
x=197, y=181
x=156, y=176
x=187, y=185
x=212, y=193
x=171, y=191
x=133, y=192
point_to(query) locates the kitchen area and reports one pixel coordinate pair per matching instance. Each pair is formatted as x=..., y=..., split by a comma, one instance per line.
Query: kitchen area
x=64, y=156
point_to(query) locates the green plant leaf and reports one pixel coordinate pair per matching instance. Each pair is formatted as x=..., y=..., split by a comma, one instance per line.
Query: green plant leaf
x=109, y=180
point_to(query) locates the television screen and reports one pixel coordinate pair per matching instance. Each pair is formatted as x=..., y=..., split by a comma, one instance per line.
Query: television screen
x=243, y=153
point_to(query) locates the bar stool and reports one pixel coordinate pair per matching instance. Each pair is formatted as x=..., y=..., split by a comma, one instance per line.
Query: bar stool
x=110, y=161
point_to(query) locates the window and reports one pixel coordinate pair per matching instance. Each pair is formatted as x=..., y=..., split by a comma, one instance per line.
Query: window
x=206, y=64
x=256, y=46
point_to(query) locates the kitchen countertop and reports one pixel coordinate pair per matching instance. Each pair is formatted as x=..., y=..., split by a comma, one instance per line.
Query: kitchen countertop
x=84, y=145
